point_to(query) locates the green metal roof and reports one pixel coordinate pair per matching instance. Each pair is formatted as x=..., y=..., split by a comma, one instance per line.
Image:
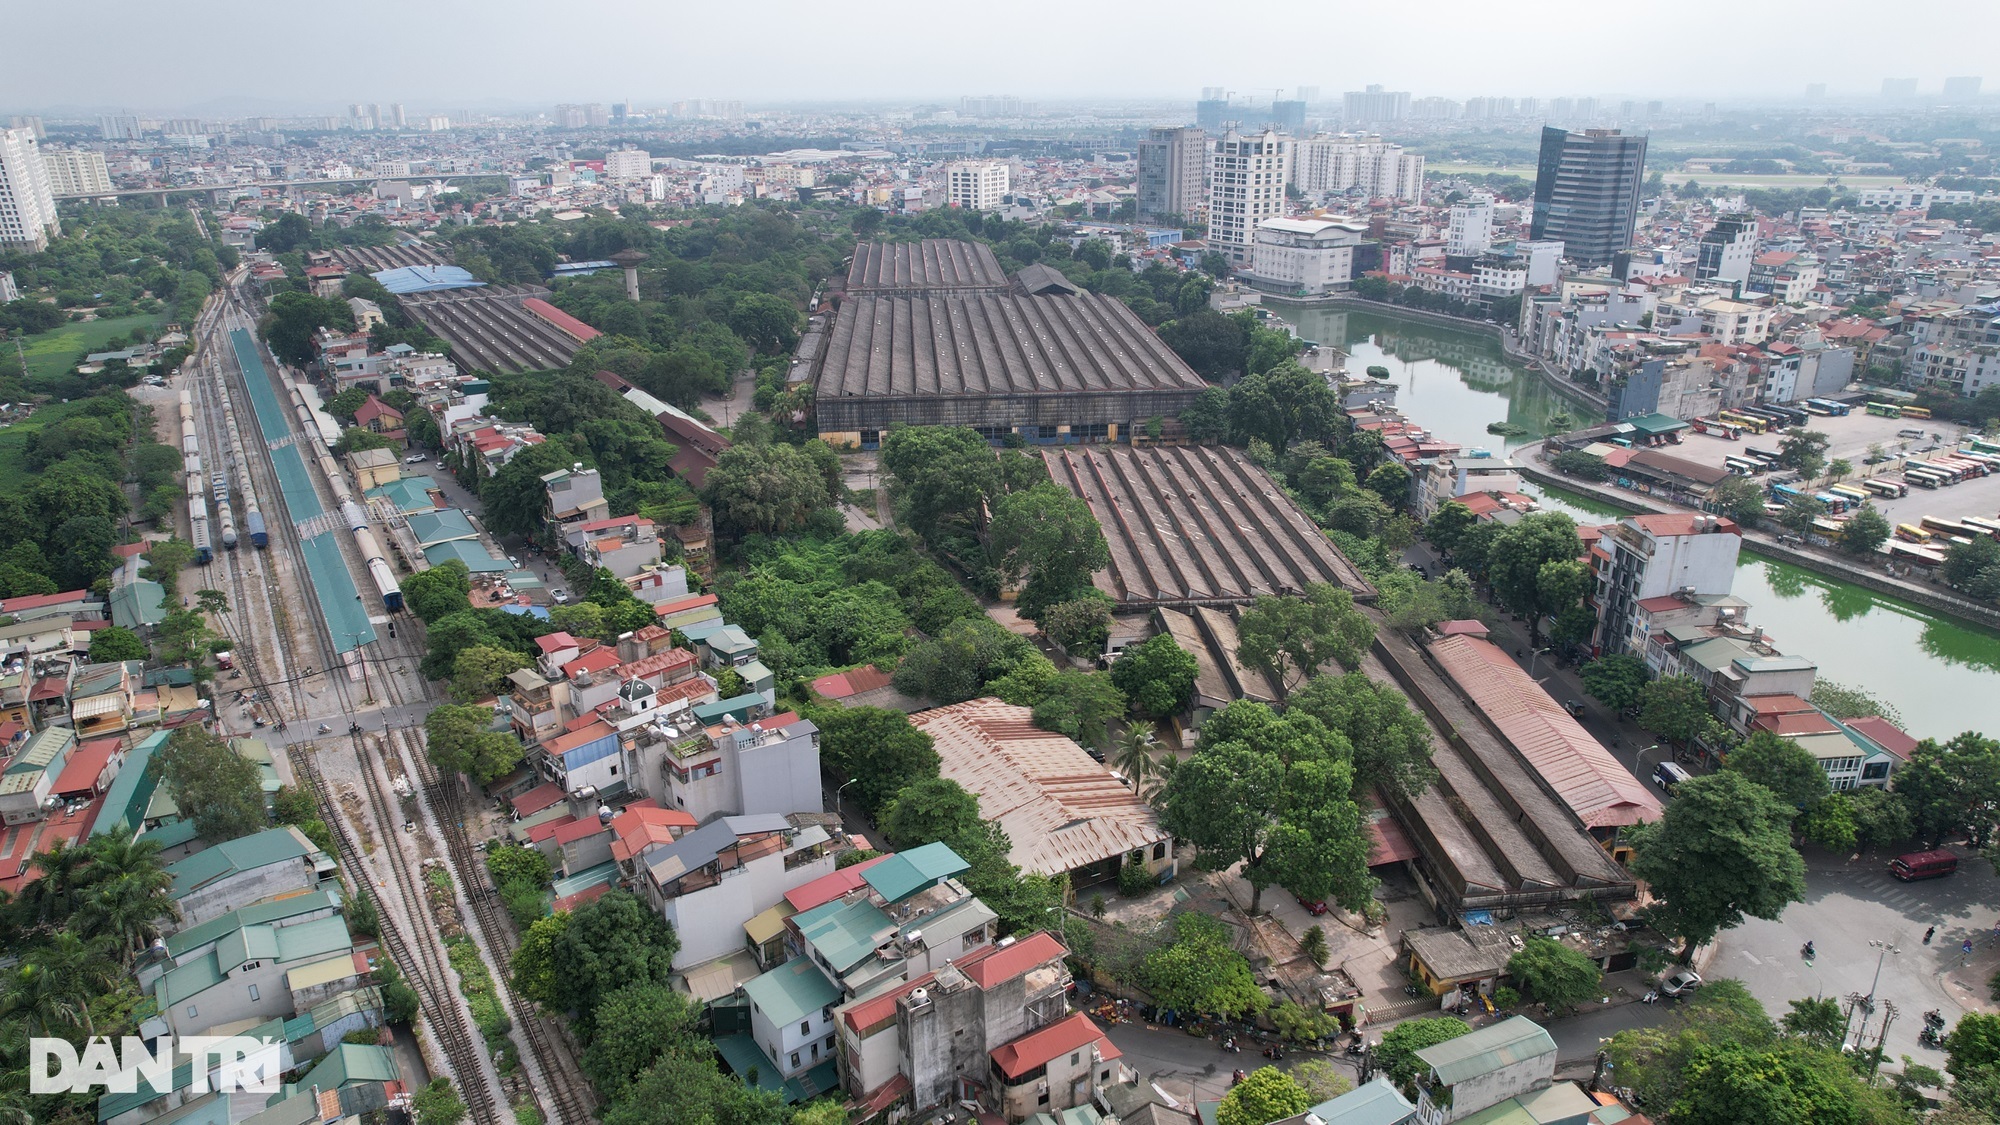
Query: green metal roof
x=171, y=835
x=745, y=1058
x=125, y=802
x=792, y=991
x=410, y=494
x=907, y=872
x=245, y=853
x=263, y=913
x=440, y=525
x=1488, y=1049
x=137, y=604
x=476, y=558
x=190, y=978
x=1378, y=1103
x=843, y=932
x=268, y=942
x=1656, y=423
x=352, y=1062
x=738, y=705
x=340, y=602
x=114, y=1105
x=47, y=745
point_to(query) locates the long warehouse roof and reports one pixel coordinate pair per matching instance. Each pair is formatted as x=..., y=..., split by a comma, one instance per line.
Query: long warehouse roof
x=934, y=263
x=995, y=344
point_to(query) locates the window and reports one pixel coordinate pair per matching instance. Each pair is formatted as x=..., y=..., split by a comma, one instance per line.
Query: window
x=1075, y=1057
x=815, y=1048
x=1160, y=850
x=795, y=1058
x=253, y=992
x=805, y=1027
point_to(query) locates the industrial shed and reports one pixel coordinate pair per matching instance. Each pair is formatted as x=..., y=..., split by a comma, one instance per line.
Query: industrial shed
x=501, y=328
x=1053, y=369
x=934, y=265
x=1198, y=526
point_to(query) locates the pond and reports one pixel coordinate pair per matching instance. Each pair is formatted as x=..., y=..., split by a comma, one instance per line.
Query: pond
x=1933, y=669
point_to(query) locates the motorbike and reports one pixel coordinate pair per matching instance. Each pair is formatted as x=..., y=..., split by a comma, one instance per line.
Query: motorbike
x=1808, y=952
x=324, y=729
x=1274, y=1052
x=1357, y=1048
x=1929, y=1037
x=1229, y=1044
x=1237, y=1078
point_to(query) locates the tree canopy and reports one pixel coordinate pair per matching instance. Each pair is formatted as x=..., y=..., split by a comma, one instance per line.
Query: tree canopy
x=218, y=789
x=1157, y=676
x=1722, y=850
x=877, y=749
x=1391, y=744
x=1291, y=638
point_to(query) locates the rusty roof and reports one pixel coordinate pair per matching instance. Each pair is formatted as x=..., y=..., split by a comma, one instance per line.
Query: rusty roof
x=1061, y=809
x=934, y=263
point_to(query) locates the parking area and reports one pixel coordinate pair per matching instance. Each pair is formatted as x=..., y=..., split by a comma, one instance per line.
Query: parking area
x=1851, y=902
x=1859, y=437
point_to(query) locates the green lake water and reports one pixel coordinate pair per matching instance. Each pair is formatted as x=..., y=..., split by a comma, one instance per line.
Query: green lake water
x=1934, y=670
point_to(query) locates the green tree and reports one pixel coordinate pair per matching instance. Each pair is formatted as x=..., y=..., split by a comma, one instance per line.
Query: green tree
x=1838, y=468
x=766, y=322
x=438, y=1104
x=1974, y=568
x=1080, y=625
x=1803, y=450
x=1392, y=483
x=1618, y=682
x=1973, y=1046
x=1047, y=539
x=1079, y=705
x=1843, y=702
x=1292, y=638
x=480, y=672
x=1285, y=404
x=512, y=863
x=1722, y=850
x=1741, y=499
x=1881, y=817
x=442, y=590
x=460, y=739
x=1321, y=1080
x=766, y=489
x=1864, y=532
x=534, y=966
x=1199, y=972
x=1951, y=787
x=934, y=808
x=52, y=992
x=960, y=662
x=876, y=748
x=615, y=941
x=1274, y=793
x=214, y=786
x=1207, y=417
x=1800, y=513
x=514, y=500
x=1207, y=341
x=1448, y=524
x=680, y=1089
x=1391, y=744
x=1819, y=1022
x=1515, y=567
x=1397, y=1054
x=1555, y=974
x=636, y=1027
x=1267, y=1095
x=1134, y=761
x=1830, y=822
x=1156, y=675
x=113, y=643
x=1581, y=465
x=944, y=474
x=346, y=405
x=1782, y=766
x=1675, y=708
x=293, y=319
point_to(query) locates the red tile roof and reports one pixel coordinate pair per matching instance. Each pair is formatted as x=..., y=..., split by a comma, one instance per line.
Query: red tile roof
x=596, y=660
x=1007, y=963
x=854, y=681
x=1039, y=1048
x=537, y=799
x=640, y=827
x=37, y=601
x=582, y=736
x=826, y=888
x=86, y=761
x=614, y=521
x=1778, y=704
x=1797, y=723
x=581, y=332
x=582, y=828
x=657, y=663
x=1681, y=523
x=548, y=828
x=1885, y=734
x=551, y=643
x=682, y=605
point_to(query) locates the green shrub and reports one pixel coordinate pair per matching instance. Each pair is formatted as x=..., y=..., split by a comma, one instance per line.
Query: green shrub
x=1133, y=880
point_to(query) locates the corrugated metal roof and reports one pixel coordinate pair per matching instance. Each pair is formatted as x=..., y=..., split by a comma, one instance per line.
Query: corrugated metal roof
x=905, y=873
x=934, y=263
x=1488, y=1049
x=1061, y=809
x=1596, y=787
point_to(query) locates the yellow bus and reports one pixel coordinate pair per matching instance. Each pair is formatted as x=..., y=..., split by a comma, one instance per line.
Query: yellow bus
x=1916, y=412
x=1913, y=533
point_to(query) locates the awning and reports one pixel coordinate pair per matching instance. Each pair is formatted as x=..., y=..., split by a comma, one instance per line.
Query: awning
x=110, y=703
x=767, y=925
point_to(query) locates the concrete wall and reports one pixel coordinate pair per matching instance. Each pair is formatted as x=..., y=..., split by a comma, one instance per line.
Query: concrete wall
x=781, y=776
x=246, y=887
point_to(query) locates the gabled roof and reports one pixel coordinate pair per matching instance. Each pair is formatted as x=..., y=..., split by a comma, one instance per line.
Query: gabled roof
x=215, y=929
x=826, y=888
x=640, y=827
x=791, y=992
x=1038, y=1048
x=245, y=853
x=907, y=872
x=1005, y=963
x=1488, y=1049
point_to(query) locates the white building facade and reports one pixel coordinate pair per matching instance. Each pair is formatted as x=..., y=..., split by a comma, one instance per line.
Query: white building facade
x=1247, y=179
x=1305, y=257
x=76, y=172
x=1471, y=230
x=977, y=185
x=27, y=206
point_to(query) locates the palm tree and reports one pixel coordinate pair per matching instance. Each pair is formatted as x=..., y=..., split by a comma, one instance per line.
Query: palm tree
x=50, y=991
x=126, y=897
x=1133, y=756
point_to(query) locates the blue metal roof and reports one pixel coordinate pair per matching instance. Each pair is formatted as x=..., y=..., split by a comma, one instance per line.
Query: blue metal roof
x=426, y=279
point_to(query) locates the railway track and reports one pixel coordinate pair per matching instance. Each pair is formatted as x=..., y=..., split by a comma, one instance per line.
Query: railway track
x=422, y=962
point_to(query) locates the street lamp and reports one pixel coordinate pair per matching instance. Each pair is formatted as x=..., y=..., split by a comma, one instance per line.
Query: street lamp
x=1886, y=949
x=1639, y=760
x=1535, y=658
x=836, y=794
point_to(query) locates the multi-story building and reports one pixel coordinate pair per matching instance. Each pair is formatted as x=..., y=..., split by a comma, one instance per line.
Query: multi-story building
x=1498, y=1068
x=1789, y=278
x=1172, y=163
x=1681, y=554
x=118, y=127
x=1471, y=230
x=27, y=206
x=1726, y=250
x=1496, y=278
x=1342, y=161
x=1247, y=188
x=626, y=165
x=76, y=172
x=1305, y=257
x=710, y=881
x=1375, y=104
x=1587, y=189
x=976, y=185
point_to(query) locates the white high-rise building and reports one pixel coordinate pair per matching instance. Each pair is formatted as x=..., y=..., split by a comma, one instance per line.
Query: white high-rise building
x=76, y=172
x=118, y=127
x=976, y=185
x=1247, y=187
x=438, y=123
x=627, y=164
x=27, y=207
x=1340, y=161
x=1471, y=230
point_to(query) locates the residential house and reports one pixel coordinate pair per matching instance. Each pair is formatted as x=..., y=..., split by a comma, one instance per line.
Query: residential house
x=624, y=545
x=257, y=971
x=710, y=881
x=103, y=698
x=27, y=782
x=1651, y=556
x=378, y=417
x=375, y=468
x=250, y=869
x=1484, y=1068
x=574, y=495
x=729, y=769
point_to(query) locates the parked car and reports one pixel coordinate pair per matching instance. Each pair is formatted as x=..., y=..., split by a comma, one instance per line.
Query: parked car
x=561, y=597
x=416, y=458
x=1681, y=983
x=1315, y=908
x=1574, y=707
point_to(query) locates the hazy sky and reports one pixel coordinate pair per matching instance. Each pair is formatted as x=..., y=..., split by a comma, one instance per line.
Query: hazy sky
x=151, y=56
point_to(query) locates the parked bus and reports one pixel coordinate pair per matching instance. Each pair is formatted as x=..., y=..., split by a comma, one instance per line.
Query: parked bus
x=1967, y=465
x=1912, y=533
x=1745, y=467
x=1922, y=479
x=1914, y=554
x=1945, y=474
x=1760, y=454
x=1813, y=407
x=1984, y=446
x=1916, y=411
x=1858, y=495
x=1885, y=410
x=1835, y=505
x=1884, y=487
x=1785, y=493
x=1829, y=406
x=1753, y=425
x=1949, y=528
x=1716, y=427
x=1981, y=523
x=1791, y=414
x=1986, y=459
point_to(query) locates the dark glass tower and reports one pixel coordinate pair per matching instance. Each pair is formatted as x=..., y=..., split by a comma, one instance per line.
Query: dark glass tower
x=1587, y=191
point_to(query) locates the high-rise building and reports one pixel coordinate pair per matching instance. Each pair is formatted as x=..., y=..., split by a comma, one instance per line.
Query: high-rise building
x=396, y=116
x=1587, y=191
x=1727, y=250
x=27, y=207
x=1171, y=165
x=628, y=164
x=118, y=127
x=1471, y=230
x=1961, y=89
x=1289, y=117
x=1247, y=187
x=1214, y=115
x=976, y=185
x=1308, y=94
x=1342, y=161
x=1375, y=104
x=76, y=172
x=1899, y=87
x=437, y=123
x=596, y=116
x=30, y=122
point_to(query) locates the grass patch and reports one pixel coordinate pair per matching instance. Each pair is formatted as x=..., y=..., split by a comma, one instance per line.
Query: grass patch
x=52, y=354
